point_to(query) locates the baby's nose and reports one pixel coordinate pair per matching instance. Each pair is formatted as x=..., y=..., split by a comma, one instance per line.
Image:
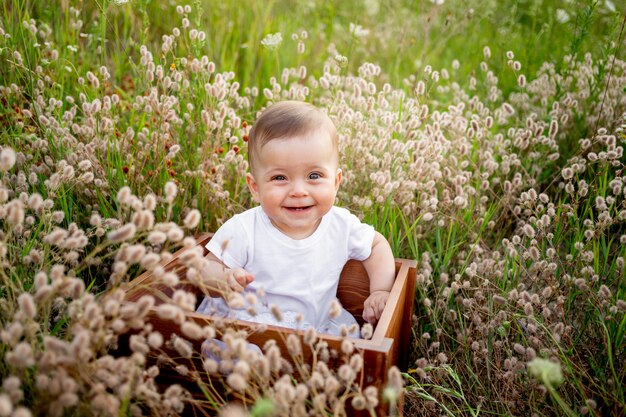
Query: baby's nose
x=298, y=188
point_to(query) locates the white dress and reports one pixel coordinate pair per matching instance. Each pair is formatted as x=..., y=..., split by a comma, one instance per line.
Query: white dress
x=300, y=277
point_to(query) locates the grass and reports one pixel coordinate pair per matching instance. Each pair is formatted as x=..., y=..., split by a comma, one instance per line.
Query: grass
x=455, y=168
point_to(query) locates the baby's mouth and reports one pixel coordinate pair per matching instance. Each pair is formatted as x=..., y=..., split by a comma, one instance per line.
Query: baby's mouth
x=303, y=208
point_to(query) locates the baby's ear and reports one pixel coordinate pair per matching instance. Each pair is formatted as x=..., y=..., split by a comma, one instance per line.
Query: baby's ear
x=338, y=178
x=253, y=186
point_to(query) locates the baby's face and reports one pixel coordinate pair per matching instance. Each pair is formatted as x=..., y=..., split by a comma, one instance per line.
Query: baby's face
x=296, y=180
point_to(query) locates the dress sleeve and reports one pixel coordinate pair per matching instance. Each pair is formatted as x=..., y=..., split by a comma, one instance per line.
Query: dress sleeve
x=230, y=244
x=361, y=237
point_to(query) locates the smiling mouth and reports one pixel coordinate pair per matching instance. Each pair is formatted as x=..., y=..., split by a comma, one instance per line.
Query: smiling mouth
x=298, y=208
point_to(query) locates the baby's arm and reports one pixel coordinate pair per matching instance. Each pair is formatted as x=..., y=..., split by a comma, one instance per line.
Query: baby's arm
x=225, y=278
x=381, y=268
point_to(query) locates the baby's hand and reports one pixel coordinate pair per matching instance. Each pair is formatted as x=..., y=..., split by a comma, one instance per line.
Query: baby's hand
x=374, y=305
x=238, y=279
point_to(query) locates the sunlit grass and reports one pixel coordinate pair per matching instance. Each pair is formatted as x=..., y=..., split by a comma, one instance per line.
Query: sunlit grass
x=483, y=139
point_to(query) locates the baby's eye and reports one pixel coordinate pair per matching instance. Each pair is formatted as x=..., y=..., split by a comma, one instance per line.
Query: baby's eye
x=315, y=176
x=279, y=178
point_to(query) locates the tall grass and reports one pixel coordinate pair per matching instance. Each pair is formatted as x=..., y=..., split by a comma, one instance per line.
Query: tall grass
x=484, y=140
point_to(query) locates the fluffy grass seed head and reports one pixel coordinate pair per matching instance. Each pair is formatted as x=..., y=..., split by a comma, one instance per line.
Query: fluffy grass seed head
x=335, y=309
x=275, y=310
x=7, y=159
x=192, y=219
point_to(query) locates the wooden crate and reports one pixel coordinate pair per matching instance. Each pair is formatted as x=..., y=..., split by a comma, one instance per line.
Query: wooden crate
x=389, y=345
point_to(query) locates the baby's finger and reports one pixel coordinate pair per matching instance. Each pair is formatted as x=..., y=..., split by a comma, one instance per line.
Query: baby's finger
x=242, y=277
x=369, y=315
x=380, y=306
x=235, y=286
x=235, y=283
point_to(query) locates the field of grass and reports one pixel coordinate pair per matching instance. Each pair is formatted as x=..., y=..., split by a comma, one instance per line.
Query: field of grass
x=483, y=138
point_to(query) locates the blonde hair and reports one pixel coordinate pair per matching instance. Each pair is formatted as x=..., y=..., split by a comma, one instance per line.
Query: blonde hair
x=287, y=119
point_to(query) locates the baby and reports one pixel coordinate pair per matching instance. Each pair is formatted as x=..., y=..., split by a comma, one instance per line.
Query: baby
x=294, y=245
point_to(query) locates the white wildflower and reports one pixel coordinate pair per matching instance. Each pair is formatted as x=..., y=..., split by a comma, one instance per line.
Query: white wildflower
x=358, y=31
x=610, y=6
x=272, y=40
x=341, y=60
x=562, y=16
x=546, y=371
